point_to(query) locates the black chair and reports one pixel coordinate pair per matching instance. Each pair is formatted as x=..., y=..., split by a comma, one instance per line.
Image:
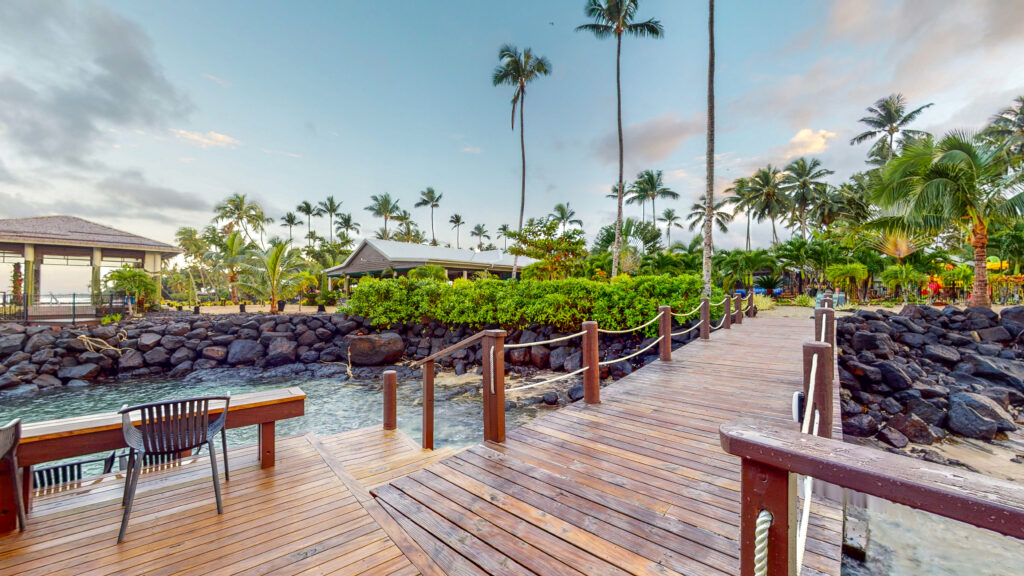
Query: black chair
x=57, y=474
x=10, y=436
x=171, y=427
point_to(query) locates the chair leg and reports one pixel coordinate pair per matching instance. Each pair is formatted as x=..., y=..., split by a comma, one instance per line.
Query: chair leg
x=216, y=480
x=128, y=474
x=224, y=446
x=18, y=499
x=131, y=486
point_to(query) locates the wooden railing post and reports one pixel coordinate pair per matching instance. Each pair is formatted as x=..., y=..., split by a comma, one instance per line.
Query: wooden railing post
x=665, y=332
x=705, y=318
x=739, y=309
x=494, y=385
x=390, y=399
x=764, y=487
x=727, y=313
x=750, y=305
x=428, y=405
x=591, y=357
x=823, y=382
x=828, y=317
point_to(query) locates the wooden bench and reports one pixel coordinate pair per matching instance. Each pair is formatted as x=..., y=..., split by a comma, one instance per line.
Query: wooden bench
x=70, y=437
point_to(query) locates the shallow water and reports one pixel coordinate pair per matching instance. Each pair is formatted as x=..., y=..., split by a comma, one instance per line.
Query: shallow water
x=331, y=406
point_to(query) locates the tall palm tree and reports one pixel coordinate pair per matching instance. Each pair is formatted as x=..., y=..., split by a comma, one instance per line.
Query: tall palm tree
x=564, y=215
x=803, y=182
x=827, y=208
x=289, y=221
x=633, y=195
x=615, y=18
x=649, y=186
x=519, y=69
x=233, y=255
x=456, y=222
x=671, y=220
x=1008, y=126
x=768, y=199
x=308, y=210
x=888, y=117
x=330, y=208
x=698, y=212
x=239, y=213
x=431, y=198
x=961, y=181
x=383, y=206
x=272, y=274
x=480, y=231
x=503, y=232
x=742, y=200
x=346, y=225
x=709, y=154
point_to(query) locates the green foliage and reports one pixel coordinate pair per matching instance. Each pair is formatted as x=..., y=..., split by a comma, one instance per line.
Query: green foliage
x=768, y=282
x=135, y=282
x=764, y=302
x=565, y=304
x=803, y=300
x=429, y=272
x=110, y=319
x=558, y=253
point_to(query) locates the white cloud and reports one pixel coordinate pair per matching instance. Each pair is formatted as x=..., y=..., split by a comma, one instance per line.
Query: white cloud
x=650, y=141
x=472, y=149
x=808, y=141
x=208, y=140
x=280, y=153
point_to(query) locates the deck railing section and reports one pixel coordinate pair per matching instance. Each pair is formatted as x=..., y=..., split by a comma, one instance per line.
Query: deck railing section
x=493, y=361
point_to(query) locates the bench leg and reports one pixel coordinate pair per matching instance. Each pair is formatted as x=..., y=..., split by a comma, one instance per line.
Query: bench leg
x=266, y=444
x=8, y=505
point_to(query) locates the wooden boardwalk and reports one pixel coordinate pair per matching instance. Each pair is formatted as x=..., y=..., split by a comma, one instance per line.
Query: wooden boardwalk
x=635, y=485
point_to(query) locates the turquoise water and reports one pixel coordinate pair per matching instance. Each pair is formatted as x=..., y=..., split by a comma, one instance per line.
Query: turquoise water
x=331, y=406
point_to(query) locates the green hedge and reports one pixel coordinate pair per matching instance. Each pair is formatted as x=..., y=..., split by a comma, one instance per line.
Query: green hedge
x=564, y=304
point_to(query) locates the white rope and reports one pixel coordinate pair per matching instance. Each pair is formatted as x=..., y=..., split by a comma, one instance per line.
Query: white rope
x=761, y=527
x=801, y=531
x=97, y=345
x=648, y=323
x=688, y=330
x=492, y=369
x=720, y=303
x=634, y=354
x=809, y=399
x=549, y=381
x=552, y=341
x=688, y=314
x=824, y=323
x=720, y=323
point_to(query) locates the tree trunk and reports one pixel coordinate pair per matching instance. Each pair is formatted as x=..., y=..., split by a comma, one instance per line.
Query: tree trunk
x=748, y=230
x=979, y=240
x=433, y=239
x=522, y=196
x=710, y=162
x=617, y=247
x=233, y=279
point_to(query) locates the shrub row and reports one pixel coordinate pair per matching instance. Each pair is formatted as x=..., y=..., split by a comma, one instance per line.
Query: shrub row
x=564, y=304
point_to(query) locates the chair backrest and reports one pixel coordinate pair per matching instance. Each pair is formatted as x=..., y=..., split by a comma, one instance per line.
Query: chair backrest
x=58, y=474
x=10, y=435
x=171, y=426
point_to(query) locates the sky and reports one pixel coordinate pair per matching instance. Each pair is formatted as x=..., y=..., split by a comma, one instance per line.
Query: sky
x=142, y=115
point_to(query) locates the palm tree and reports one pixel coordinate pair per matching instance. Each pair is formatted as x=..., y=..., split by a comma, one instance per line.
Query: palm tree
x=456, y=222
x=958, y=181
x=480, y=231
x=308, y=210
x=431, y=198
x=615, y=18
x=827, y=208
x=259, y=221
x=503, y=231
x=803, y=183
x=331, y=209
x=564, y=215
x=671, y=220
x=289, y=221
x=272, y=274
x=346, y=225
x=385, y=207
x=847, y=275
x=888, y=118
x=1008, y=127
x=238, y=212
x=742, y=199
x=519, y=69
x=633, y=195
x=709, y=190
x=233, y=255
x=698, y=212
x=651, y=186
x=768, y=199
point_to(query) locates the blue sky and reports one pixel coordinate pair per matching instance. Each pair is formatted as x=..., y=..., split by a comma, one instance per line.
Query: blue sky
x=141, y=115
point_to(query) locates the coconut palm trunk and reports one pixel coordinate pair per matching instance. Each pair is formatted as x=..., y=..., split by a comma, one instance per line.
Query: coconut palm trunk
x=522, y=150
x=616, y=249
x=710, y=162
x=748, y=230
x=979, y=241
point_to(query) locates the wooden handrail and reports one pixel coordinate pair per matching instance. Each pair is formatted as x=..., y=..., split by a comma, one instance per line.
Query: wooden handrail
x=450, y=349
x=968, y=497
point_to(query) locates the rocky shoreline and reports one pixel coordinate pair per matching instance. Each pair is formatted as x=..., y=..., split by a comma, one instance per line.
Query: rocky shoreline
x=184, y=346
x=926, y=375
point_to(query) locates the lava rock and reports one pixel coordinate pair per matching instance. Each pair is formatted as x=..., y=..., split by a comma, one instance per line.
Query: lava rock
x=130, y=360
x=999, y=369
x=894, y=376
x=965, y=421
x=892, y=437
x=242, y=352
x=215, y=353
x=556, y=359
x=994, y=334
x=575, y=392
x=182, y=355
x=539, y=356
x=281, y=351
x=914, y=428
x=38, y=341
x=620, y=369
x=148, y=341
x=47, y=381
x=940, y=353
x=861, y=425
x=574, y=362
x=11, y=343
x=79, y=372
x=871, y=342
x=986, y=407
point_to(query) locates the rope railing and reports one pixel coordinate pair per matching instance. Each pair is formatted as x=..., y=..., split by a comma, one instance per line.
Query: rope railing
x=688, y=330
x=720, y=303
x=763, y=525
x=721, y=322
x=808, y=481
x=549, y=380
x=633, y=355
x=628, y=330
x=687, y=314
x=544, y=342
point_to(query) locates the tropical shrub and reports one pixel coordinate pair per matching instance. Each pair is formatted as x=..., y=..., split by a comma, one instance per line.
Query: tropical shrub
x=110, y=319
x=136, y=283
x=768, y=282
x=429, y=272
x=564, y=304
x=764, y=302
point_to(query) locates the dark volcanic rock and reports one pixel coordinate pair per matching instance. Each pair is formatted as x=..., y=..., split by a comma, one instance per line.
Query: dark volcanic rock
x=375, y=349
x=38, y=341
x=574, y=362
x=861, y=425
x=557, y=358
x=872, y=342
x=995, y=334
x=892, y=437
x=281, y=351
x=967, y=422
x=241, y=352
x=539, y=356
x=894, y=375
x=1008, y=371
x=148, y=341
x=157, y=356
x=130, y=360
x=11, y=343
x=986, y=407
x=914, y=428
x=940, y=353
x=215, y=353
x=79, y=372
